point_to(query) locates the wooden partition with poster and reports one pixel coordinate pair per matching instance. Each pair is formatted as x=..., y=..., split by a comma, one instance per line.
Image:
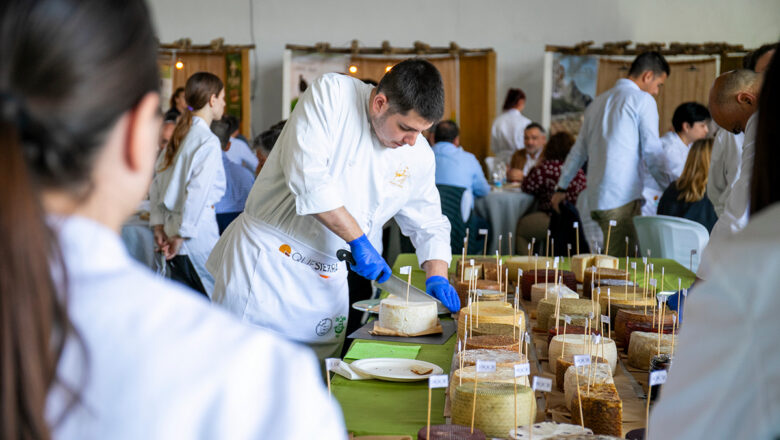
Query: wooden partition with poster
x=180, y=60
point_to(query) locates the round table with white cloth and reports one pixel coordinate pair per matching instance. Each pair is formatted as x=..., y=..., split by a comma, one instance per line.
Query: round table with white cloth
x=502, y=208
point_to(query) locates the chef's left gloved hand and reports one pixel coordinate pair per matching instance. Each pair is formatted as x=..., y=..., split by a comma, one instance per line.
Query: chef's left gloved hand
x=439, y=288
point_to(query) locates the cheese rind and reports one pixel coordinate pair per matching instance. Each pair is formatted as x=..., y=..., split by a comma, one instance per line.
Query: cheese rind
x=596, y=373
x=525, y=263
x=541, y=290
x=503, y=374
x=548, y=431
x=644, y=345
x=582, y=344
x=490, y=312
x=407, y=317
x=564, y=364
x=495, y=409
x=545, y=310
x=581, y=262
x=501, y=357
x=602, y=409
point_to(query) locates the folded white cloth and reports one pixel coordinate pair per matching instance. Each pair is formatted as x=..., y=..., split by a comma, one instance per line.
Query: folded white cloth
x=344, y=370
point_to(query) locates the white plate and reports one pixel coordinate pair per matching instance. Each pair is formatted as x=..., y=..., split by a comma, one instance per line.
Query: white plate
x=394, y=370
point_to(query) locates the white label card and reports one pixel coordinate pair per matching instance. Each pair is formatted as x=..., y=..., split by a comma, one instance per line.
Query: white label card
x=523, y=369
x=685, y=293
x=546, y=264
x=596, y=339
x=519, y=273
x=633, y=265
x=332, y=363
x=644, y=260
x=653, y=282
x=581, y=360
x=567, y=318
x=604, y=319
x=459, y=346
x=555, y=263
x=613, y=222
x=483, y=232
x=657, y=377
x=568, y=246
x=527, y=338
x=485, y=366
x=471, y=261
x=406, y=270
x=437, y=381
x=542, y=384
x=576, y=225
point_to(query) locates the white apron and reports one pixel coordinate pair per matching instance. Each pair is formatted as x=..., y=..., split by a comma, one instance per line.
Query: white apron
x=288, y=288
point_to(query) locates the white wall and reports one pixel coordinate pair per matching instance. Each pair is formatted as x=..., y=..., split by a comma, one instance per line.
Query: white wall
x=517, y=29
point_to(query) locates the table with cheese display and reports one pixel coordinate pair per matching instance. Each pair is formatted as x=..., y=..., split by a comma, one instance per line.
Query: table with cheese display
x=374, y=407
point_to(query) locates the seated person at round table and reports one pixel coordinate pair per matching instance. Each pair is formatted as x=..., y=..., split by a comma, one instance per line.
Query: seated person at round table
x=457, y=167
x=523, y=160
x=687, y=196
x=540, y=183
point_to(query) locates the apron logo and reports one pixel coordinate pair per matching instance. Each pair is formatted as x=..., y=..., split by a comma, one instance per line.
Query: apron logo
x=324, y=326
x=340, y=324
x=400, y=177
x=285, y=249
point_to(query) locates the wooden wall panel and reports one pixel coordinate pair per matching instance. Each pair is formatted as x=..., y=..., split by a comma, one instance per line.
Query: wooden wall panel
x=477, y=102
x=198, y=62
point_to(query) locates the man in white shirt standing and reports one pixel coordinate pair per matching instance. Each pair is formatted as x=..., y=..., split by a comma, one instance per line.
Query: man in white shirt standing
x=620, y=131
x=508, y=130
x=350, y=158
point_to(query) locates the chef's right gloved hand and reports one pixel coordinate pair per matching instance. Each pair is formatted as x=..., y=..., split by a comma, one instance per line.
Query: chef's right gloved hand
x=441, y=289
x=368, y=263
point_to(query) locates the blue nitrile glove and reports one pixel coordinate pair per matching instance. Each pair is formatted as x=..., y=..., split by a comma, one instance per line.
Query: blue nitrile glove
x=369, y=264
x=439, y=288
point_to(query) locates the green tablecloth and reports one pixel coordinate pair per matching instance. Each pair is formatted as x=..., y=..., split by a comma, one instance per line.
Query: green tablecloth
x=388, y=408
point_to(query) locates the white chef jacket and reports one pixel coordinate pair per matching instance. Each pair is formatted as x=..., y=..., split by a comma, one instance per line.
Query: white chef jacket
x=183, y=195
x=724, y=382
x=620, y=130
x=240, y=154
x=508, y=134
x=724, y=167
x=162, y=363
x=737, y=211
x=675, y=154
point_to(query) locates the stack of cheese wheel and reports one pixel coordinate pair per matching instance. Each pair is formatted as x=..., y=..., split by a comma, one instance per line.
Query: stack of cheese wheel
x=504, y=358
x=644, y=346
x=545, y=310
x=602, y=274
x=564, y=364
x=525, y=263
x=577, y=327
x=602, y=409
x=492, y=342
x=532, y=277
x=548, y=431
x=490, y=317
x=494, y=413
x=582, y=344
x=450, y=432
x=546, y=290
x=490, y=295
x=463, y=289
x=582, y=262
x=595, y=373
x=407, y=317
x=650, y=327
x=624, y=316
x=614, y=299
x=503, y=374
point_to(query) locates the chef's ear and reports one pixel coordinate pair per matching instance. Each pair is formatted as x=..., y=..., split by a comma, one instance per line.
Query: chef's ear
x=143, y=133
x=746, y=98
x=379, y=102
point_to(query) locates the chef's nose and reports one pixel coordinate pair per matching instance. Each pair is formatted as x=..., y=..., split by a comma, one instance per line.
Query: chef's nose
x=410, y=139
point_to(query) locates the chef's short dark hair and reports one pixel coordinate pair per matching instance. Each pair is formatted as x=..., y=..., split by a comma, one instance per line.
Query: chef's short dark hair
x=652, y=61
x=414, y=84
x=689, y=112
x=446, y=131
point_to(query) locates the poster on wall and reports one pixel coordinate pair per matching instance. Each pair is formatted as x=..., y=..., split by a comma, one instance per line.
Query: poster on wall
x=233, y=84
x=166, y=82
x=302, y=68
x=574, y=79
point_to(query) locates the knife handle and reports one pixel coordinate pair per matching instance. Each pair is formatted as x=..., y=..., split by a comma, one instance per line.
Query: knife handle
x=345, y=255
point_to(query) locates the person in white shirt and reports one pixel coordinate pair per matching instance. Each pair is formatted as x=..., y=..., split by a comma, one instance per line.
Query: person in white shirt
x=733, y=104
x=724, y=167
x=620, y=131
x=190, y=180
x=350, y=157
x=689, y=123
x=508, y=131
x=94, y=345
x=724, y=379
x=523, y=160
x=239, y=152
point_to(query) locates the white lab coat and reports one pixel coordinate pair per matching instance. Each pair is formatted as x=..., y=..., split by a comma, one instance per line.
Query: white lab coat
x=737, y=210
x=724, y=167
x=182, y=196
x=326, y=157
x=724, y=382
x=675, y=154
x=508, y=134
x=154, y=361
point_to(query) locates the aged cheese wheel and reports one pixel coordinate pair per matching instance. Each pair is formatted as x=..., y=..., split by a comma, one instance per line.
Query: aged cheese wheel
x=577, y=327
x=495, y=409
x=450, y=432
x=602, y=409
x=490, y=295
x=525, y=263
x=644, y=346
x=463, y=289
x=490, y=312
x=532, y=277
x=580, y=344
x=624, y=316
x=541, y=290
x=564, y=364
x=545, y=310
x=503, y=374
x=501, y=357
x=407, y=317
x=649, y=327
x=602, y=274
x=614, y=301
x=492, y=342
x=596, y=373
x=548, y=431
x=581, y=262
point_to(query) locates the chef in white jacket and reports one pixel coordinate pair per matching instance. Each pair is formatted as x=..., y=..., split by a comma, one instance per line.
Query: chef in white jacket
x=190, y=181
x=350, y=158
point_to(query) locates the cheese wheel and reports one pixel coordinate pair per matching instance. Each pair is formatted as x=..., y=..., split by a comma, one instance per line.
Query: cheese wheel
x=579, y=344
x=545, y=310
x=532, y=277
x=478, y=262
x=601, y=276
x=564, y=364
x=602, y=409
x=492, y=342
x=548, y=431
x=650, y=327
x=490, y=312
x=501, y=357
x=596, y=373
x=577, y=327
x=494, y=413
x=463, y=289
x=525, y=263
x=407, y=317
x=644, y=346
x=490, y=295
x=581, y=262
x=611, y=303
x=624, y=316
x=503, y=374
x=541, y=290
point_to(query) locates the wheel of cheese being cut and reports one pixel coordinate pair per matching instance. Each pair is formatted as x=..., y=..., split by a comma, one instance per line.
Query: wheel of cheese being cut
x=532, y=277
x=494, y=413
x=545, y=310
x=582, y=344
x=596, y=373
x=640, y=315
x=525, y=263
x=407, y=317
x=463, y=289
x=581, y=262
x=490, y=317
x=503, y=374
x=548, y=431
x=644, y=346
x=602, y=274
x=546, y=290
x=602, y=409
x=501, y=357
